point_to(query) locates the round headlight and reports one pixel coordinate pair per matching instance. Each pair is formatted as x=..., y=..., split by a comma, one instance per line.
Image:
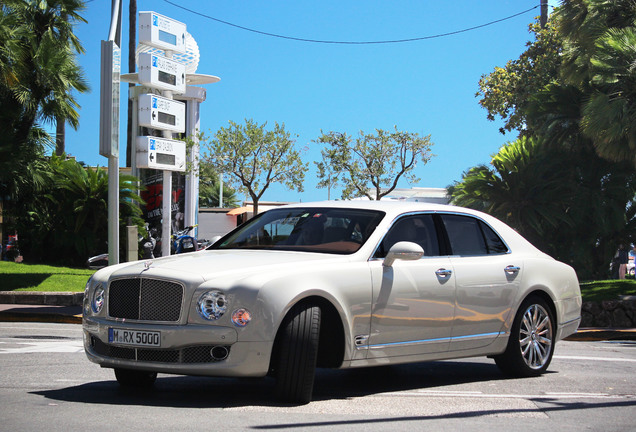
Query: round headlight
x=212, y=305
x=97, y=302
x=241, y=317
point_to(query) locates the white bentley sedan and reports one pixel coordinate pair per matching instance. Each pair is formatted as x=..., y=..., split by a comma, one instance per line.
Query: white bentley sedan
x=336, y=285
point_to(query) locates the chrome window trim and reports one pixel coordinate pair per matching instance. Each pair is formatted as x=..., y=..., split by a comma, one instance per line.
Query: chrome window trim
x=437, y=212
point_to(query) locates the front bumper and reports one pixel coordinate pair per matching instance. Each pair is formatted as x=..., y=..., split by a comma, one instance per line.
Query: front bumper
x=185, y=349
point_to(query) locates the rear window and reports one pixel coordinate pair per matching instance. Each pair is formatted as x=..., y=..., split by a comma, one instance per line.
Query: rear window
x=470, y=236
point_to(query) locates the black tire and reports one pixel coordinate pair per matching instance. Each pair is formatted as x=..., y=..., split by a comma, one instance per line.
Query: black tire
x=532, y=340
x=135, y=378
x=295, y=367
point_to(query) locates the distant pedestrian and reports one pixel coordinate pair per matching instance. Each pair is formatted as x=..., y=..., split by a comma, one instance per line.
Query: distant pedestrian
x=623, y=259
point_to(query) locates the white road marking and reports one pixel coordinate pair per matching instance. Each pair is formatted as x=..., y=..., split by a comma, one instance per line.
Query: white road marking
x=609, y=359
x=480, y=395
x=72, y=346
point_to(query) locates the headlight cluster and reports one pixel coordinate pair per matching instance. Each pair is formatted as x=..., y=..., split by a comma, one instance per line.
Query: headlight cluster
x=212, y=305
x=97, y=299
x=94, y=299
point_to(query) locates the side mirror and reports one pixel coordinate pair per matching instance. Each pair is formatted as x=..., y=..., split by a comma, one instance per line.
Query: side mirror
x=215, y=239
x=403, y=250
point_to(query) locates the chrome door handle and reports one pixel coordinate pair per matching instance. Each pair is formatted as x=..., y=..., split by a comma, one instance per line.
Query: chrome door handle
x=443, y=273
x=512, y=269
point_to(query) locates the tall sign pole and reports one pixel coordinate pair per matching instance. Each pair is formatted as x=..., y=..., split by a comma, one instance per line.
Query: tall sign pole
x=166, y=102
x=109, y=124
x=165, y=114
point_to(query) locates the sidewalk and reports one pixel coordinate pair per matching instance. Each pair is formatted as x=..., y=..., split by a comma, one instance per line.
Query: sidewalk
x=67, y=308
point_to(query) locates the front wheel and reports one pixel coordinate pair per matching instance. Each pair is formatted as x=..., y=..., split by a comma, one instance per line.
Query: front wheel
x=531, y=343
x=135, y=378
x=295, y=367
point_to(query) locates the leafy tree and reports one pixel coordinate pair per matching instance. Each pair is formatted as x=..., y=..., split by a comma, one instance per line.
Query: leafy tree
x=374, y=162
x=506, y=91
x=590, y=46
x=580, y=109
x=255, y=158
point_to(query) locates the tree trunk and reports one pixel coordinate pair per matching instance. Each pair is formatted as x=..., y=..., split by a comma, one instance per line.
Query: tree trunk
x=60, y=135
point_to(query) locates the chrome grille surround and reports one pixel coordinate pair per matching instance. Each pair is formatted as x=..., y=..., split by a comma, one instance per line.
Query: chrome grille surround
x=145, y=299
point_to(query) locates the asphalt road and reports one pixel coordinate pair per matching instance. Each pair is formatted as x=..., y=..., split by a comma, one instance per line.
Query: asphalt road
x=46, y=383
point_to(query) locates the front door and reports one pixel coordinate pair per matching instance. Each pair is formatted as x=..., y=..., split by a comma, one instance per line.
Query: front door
x=413, y=301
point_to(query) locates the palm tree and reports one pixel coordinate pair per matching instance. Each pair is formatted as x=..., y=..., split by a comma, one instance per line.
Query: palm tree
x=524, y=188
x=598, y=58
x=562, y=197
x=72, y=214
x=40, y=72
x=209, y=187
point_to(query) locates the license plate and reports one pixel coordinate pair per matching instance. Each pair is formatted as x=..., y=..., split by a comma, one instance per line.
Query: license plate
x=134, y=337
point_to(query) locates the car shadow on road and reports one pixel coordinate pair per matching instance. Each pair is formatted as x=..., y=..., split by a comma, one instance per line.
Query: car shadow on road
x=207, y=392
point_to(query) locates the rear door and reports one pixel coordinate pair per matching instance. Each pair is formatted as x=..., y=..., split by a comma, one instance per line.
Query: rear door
x=487, y=278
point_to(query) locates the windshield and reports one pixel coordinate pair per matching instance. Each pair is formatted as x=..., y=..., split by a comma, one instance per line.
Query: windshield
x=326, y=230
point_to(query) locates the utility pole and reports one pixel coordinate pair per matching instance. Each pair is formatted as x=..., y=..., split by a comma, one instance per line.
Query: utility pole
x=544, y=13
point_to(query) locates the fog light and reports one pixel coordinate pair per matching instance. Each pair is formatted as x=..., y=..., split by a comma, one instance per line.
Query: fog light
x=98, y=299
x=241, y=317
x=212, y=305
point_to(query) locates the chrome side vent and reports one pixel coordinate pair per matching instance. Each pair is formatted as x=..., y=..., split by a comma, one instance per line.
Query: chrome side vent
x=362, y=341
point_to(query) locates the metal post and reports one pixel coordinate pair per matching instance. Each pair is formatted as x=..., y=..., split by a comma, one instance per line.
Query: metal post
x=113, y=210
x=166, y=204
x=193, y=98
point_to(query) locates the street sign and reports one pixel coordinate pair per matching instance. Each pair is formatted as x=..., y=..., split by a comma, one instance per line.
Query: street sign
x=161, y=32
x=158, y=112
x=161, y=73
x=161, y=153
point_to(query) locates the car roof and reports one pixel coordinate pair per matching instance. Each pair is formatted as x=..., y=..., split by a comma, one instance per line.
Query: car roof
x=388, y=206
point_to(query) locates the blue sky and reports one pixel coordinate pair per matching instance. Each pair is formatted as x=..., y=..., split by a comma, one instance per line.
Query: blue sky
x=426, y=86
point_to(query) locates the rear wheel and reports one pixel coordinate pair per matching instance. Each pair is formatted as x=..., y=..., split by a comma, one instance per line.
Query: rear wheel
x=531, y=343
x=135, y=378
x=295, y=367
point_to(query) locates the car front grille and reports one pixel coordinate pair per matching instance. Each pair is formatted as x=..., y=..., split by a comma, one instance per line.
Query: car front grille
x=191, y=354
x=145, y=299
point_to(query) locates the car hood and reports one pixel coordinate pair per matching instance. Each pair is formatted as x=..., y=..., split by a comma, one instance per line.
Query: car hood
x=206, y=265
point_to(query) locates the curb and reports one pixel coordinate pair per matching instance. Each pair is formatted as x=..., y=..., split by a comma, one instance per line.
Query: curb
x=9, y=316
x=42, y=298
x=602, y=334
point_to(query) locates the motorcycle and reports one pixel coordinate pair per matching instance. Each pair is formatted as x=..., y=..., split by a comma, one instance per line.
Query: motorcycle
x=182, y=242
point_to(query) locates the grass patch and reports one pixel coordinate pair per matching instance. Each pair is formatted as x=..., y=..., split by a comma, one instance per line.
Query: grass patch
x=607, y=290
x=44, y=278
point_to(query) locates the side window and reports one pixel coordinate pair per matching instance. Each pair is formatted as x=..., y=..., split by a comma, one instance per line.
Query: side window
x=464, y=234
x=418, y=229
x=493, y=241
